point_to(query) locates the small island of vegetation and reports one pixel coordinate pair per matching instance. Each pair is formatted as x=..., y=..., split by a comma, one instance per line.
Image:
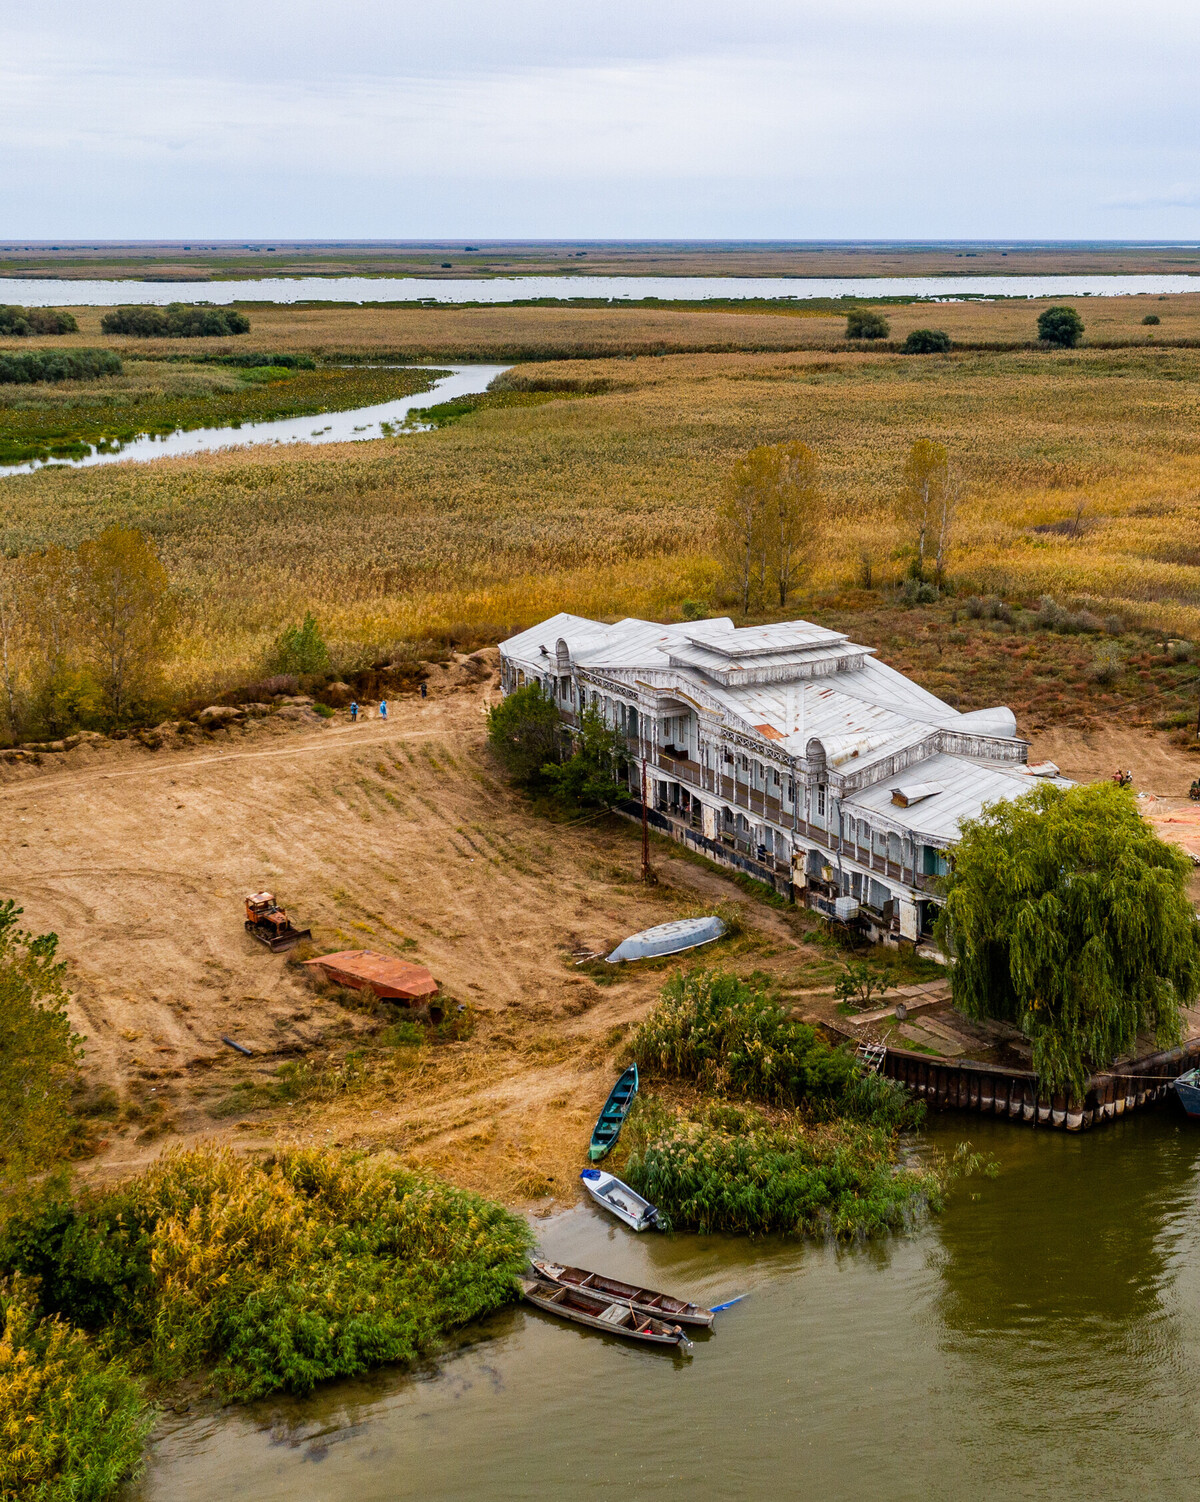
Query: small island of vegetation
x=775, y=1130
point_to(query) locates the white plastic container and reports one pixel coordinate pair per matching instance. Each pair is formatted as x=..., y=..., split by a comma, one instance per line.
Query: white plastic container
x=845, y=908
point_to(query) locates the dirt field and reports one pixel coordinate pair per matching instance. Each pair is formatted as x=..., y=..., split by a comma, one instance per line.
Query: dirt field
x=393, y=836
x=396, y=836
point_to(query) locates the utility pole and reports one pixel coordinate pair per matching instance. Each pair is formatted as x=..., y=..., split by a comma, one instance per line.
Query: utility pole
x=648, y=876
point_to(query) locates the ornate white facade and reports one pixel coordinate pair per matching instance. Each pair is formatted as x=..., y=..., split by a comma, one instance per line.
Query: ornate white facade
x=787, y=751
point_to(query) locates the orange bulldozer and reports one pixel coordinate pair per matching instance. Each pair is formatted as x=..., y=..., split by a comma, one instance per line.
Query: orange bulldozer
x=269, y=924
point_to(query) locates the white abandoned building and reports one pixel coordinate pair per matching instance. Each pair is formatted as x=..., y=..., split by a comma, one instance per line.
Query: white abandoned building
x=786, y=751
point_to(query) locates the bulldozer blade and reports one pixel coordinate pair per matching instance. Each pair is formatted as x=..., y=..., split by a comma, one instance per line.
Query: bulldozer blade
x=285, y=941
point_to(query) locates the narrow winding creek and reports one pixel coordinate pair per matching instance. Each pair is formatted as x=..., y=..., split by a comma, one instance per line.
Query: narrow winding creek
x=1042, y=1338
x=323, y=427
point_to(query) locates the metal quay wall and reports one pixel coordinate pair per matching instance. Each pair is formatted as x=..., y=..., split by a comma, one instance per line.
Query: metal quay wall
x=964, y=1085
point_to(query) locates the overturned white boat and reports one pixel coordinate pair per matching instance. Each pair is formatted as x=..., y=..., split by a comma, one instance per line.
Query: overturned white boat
x=668, y=938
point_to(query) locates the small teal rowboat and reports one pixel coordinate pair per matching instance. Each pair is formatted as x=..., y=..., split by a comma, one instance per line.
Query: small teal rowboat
x=616, y=1108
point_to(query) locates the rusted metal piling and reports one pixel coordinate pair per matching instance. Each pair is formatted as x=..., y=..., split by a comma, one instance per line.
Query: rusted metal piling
x=966, y=1085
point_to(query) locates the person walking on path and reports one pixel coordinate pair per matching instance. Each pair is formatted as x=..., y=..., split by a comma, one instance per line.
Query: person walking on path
x=353, y=711
x=383, y=709
x=424, y=691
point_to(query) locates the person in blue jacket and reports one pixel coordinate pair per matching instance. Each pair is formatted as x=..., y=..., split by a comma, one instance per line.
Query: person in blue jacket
x=353, y=711
x=383, y=709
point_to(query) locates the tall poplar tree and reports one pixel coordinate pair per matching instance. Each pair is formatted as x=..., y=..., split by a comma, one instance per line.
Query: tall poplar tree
x=770, y=522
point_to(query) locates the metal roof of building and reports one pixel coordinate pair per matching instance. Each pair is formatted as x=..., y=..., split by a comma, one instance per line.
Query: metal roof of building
x=822, y=687
x=965, y=787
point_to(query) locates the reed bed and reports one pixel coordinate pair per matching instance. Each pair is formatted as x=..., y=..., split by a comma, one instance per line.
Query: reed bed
x=604, y=505
x=72, y=1424
x=562, y=332
x=267, y=1276
x=744, y=1173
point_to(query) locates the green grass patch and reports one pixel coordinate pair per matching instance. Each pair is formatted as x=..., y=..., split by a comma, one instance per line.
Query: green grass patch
x=446, y=414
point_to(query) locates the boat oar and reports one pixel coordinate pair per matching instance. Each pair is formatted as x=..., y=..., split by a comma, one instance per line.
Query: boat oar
x=729, y=1303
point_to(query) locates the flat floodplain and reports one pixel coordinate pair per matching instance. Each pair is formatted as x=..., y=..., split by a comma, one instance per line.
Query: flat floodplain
x=599, y=498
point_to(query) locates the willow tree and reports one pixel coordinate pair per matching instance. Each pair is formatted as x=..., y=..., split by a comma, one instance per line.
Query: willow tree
x=770, y=522
x=1067, y=916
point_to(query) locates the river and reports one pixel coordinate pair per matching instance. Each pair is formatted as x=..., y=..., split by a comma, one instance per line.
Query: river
x=47, y=292
x=1041, y=1338
x=356, y=425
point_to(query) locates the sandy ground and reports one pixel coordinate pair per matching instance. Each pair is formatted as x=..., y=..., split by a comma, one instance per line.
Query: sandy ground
x=397, y=836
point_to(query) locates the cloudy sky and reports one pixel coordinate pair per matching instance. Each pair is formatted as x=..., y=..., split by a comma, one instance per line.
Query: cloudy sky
x=780, y=119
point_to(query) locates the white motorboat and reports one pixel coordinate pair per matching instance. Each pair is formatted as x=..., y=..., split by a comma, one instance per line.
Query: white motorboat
x=625, y=1203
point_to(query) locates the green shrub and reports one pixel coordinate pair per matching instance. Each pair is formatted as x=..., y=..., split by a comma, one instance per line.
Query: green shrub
x=919, y=592
x=792, y=1178
x=178, y=321
x=1151, y=318
x=274, y=1275
x=1061, y=326
x=39, y=1053
x=57, y=365
x=715, y=1029
x=72, y=1424
x=403, y=1034
x=589, y=776
x=864, y=323
x=525, y=732
x=926, y=342
x=300, y=649
x=25, y=321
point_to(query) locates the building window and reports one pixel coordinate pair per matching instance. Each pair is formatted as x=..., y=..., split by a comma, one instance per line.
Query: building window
x=774, y=777
x=820, y=803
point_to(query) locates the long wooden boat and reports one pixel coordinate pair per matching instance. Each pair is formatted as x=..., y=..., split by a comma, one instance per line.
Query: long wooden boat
x=625, y=1203
x=612, y=1316
x=612, y=1118
x=641, y=1300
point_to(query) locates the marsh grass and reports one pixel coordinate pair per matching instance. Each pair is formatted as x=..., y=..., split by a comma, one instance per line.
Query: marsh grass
x=604, y=506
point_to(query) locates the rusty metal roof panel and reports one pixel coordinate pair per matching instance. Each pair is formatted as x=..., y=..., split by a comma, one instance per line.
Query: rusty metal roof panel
x=399, y=980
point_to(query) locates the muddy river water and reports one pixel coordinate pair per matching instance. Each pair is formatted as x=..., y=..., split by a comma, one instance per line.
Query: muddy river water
x=1042, y=1338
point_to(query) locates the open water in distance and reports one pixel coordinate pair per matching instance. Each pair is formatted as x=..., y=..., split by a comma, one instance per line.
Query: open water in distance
x=45, y=292
x=358, y=424
x=1042, y=1339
